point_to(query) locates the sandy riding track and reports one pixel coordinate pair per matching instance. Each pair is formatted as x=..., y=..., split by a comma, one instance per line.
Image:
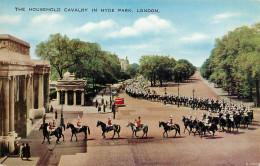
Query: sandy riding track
x=236, y=148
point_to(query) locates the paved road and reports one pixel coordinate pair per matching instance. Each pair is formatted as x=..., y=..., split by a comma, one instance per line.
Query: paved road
x=236, y=148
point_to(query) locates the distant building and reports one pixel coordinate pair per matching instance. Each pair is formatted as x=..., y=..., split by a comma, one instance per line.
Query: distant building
x=124, y=63
x=24, y=91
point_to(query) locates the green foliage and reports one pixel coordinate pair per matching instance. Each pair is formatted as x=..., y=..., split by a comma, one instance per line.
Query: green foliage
x=165, y=68
x=132, y=70
x=234, y=62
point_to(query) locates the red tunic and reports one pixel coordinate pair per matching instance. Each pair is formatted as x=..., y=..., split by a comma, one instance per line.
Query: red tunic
x=171, y=121
x=50, y=127
x=138, y=123
x=109, y=122
x=78, y=124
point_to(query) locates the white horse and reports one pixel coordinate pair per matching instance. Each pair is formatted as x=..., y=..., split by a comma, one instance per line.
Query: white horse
x=135, y=129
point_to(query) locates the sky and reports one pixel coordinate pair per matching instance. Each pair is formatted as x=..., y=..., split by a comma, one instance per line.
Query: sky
x=183, y=29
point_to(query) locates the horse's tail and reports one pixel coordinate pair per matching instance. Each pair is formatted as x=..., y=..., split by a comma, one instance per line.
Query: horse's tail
x=88, y=130
x=64, y=126
x=119, y=128
x=179, y=129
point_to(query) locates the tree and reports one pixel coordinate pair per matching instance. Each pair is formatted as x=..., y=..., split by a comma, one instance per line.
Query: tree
x=60, y=51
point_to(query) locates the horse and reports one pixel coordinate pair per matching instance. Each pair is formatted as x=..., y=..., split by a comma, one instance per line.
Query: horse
x=136, y=129
x=245, y=121
x=186, y=123
x=175, y=127
x=75, y=130
x=230, y=124
x=222, y=124
x=115, y=128
x=202, y=128
x=46, y=134
x=212, y=128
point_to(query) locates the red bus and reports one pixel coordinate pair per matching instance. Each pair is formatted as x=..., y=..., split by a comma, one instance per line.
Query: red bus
x=119, y=101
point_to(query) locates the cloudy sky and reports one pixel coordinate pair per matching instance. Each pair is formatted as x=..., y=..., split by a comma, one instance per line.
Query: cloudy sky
x=181, y=28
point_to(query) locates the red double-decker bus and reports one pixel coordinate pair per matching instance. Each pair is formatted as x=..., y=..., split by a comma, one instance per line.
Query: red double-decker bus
x=119, y=102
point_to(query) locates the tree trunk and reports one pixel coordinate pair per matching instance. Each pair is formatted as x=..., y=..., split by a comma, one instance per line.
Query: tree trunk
x=251, y=94
x=257, y=93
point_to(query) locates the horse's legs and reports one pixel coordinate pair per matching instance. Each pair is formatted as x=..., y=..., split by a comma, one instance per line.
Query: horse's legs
x=118, y=134
x=71, y=137
x=43, y=139
x=49, y=139
x=103, y=135
x=163, y=134
x=175, y=132
x=76, y=137
x=86, y=136
x=114, y=134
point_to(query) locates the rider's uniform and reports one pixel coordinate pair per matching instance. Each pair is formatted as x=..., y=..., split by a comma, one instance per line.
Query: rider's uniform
x=170, y=122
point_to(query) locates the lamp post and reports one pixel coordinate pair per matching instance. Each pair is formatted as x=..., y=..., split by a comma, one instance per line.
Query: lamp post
x=61, y=115
x=110, y=96
x=178, y=94
x=193, y=99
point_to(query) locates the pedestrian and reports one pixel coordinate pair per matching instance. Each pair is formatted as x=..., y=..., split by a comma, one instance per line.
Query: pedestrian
x=96, y=103
x=104, y=108
x=51, y=109
x=27, y=151
x=44, y=118
x=56, y=114
x=21, y=151
x=99, y=108
x=114, y=111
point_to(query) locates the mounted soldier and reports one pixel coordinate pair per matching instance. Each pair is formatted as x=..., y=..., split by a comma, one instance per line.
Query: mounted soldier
x=78, y=126
x=109, y=124
x=138, y=122
x=170, y=122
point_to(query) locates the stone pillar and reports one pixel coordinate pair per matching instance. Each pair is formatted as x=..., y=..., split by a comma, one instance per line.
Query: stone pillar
x=11, y=105
x=28, y=97
x=31, y=91
x=24, y=88
x=66, y=98
x=40, y=92
x=6, y=105
x=58, y=96
x=82, y=97
x=48, y=91
x=74, y=97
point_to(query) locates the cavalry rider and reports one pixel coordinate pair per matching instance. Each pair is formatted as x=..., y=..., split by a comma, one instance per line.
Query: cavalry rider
x=78, y=123
x=195, y=117
x=190, y=117
x=170, y=122
x=203, y=117
x=138, y=122
x=207, y=122
x=109, y=123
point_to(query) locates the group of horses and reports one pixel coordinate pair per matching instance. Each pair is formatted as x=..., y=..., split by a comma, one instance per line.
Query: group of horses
x=192, y=126
x=200, y=128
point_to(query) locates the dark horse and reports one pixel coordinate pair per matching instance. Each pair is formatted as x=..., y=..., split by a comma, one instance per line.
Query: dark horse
x=75, y=130
x=167, y=128
x=115, y=128
x=186, y=123
x=135, y=129
x=46, y=134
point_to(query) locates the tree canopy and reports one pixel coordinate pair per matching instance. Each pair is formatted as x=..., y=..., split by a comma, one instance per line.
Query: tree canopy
x=234, y=63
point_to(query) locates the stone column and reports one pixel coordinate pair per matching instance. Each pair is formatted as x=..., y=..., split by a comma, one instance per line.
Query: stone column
x=6, y=105
x=66, y=98
x=47, y=92
x=24, y=88
x=11, y=105
x=28, y=97
x=40, y=92
x=0, y=84
x=74, y=97
x=58, y=96
x=32, y=91
x=82, y=97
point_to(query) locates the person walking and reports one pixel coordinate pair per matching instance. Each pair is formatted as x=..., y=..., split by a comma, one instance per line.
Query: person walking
x=27, y=151
x=21, y=151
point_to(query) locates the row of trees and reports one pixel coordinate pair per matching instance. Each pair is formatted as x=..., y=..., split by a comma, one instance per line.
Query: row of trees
x=85, y=59
x=234, y=63
x=165, y=68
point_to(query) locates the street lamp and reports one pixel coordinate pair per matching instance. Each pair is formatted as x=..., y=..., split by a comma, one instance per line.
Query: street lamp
x=61, y=115
x=193, y=99
x=110, y=96
x=178, y=94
